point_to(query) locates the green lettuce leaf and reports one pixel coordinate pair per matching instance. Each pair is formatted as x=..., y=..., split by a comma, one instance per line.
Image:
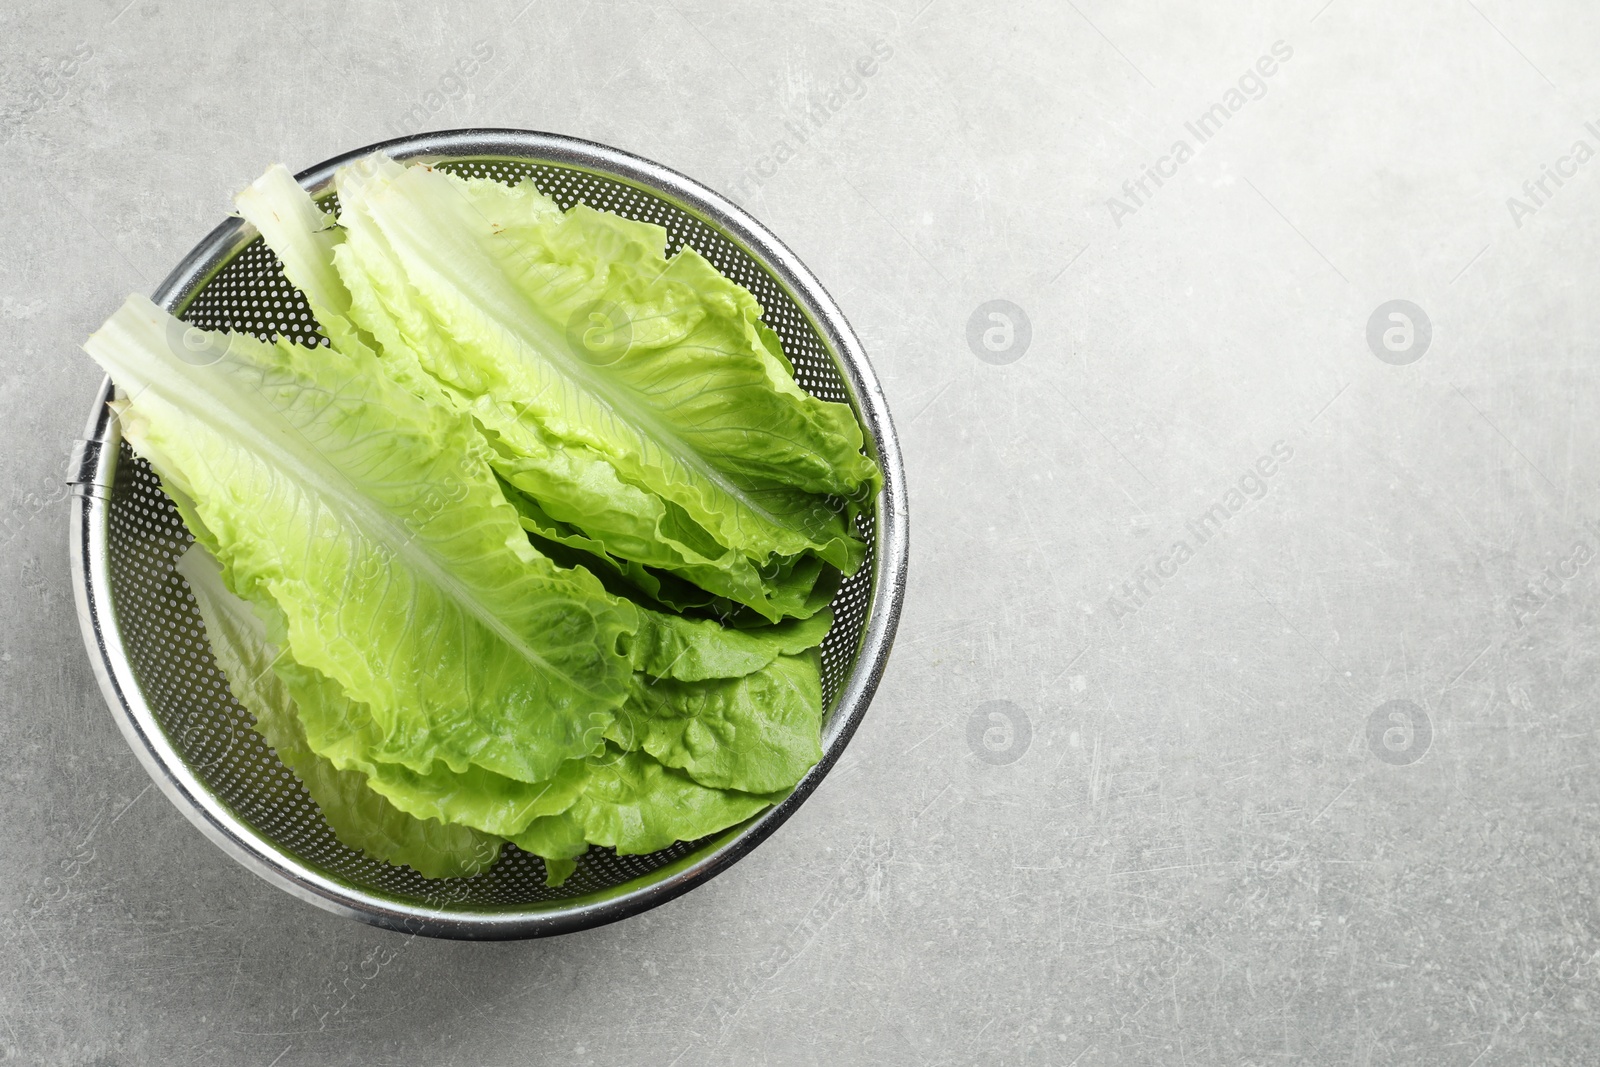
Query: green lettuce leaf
x=691, y=349
x=635, y=805
x=758, y=733
x=692, y=650
x=556, y=839
x=359, y=817
x=504, y=299
x=798, y=588
x=343, y=732
x=571, y=547
x=374, y=521
x=571, y=481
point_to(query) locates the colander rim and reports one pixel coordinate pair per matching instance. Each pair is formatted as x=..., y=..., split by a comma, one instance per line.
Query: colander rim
x=94, y=467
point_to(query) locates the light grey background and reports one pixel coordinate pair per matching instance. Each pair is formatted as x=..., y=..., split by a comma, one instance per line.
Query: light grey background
x=1204, y=853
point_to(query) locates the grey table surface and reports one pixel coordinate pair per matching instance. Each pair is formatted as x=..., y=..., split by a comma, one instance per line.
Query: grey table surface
x=1318, y=786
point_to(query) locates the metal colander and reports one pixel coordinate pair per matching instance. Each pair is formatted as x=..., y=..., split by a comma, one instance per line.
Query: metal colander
x=148, y=645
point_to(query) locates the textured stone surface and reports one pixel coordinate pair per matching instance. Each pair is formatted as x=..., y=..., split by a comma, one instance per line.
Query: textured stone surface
x=1201, y=849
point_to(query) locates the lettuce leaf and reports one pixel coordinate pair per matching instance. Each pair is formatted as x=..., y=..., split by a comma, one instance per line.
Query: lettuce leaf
x=358, y=816
x=692, y=650
x=701, y=429
x=342, y=731
x=683, y=443
x=636, y=805
x=757, y=733
x=571, y=547
x=374, y=522
x=571, y=481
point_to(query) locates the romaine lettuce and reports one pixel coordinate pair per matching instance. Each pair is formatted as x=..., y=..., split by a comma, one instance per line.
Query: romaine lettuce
x=454, y=546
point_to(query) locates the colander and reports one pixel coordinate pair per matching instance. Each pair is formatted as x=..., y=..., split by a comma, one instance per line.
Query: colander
x=148, y=646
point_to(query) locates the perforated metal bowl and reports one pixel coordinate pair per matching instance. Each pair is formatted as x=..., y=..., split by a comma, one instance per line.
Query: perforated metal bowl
x=146, y=641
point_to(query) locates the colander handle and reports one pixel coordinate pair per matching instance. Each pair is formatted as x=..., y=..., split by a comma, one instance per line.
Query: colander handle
x=84, y=470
